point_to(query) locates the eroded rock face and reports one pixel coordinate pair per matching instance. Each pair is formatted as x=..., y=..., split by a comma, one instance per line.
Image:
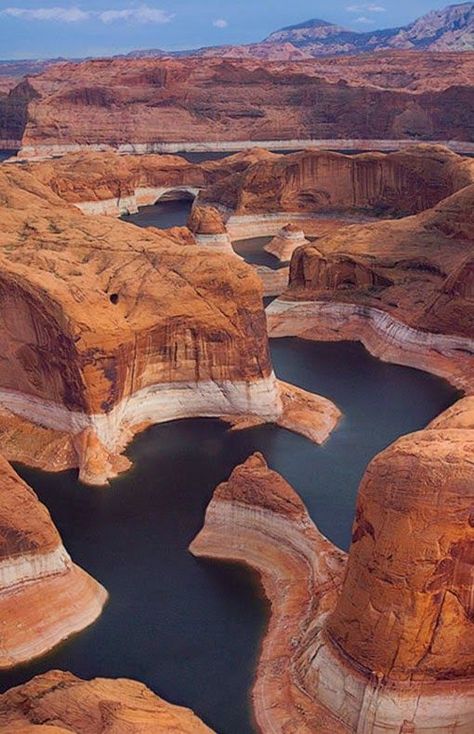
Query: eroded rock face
x=208, y=226
x=402, y=287
x=406, y=607
x=286, y=241
x=401, y=183
x=58, y=702
x=384, y=642
x=398, y=96
x=34, y=570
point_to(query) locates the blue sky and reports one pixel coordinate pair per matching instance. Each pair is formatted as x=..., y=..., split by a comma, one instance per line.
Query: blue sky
x=50, y=28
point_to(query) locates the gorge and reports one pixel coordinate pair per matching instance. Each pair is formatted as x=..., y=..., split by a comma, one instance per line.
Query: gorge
x=386, y=234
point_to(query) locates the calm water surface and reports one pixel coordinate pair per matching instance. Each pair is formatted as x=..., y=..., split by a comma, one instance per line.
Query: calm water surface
x=4, y=154
x=190, y=629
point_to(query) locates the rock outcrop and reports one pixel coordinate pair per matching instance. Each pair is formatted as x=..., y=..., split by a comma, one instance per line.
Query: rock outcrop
x=402, y=287
x=107, y=328
x=394, y=184
x=44, y=596
x=208, y=227
x=59, y=702
x=382, y=641
x=163, y=104
x=286, y=241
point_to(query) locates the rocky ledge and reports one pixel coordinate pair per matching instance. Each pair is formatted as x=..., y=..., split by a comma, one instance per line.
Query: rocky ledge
x=379, y=640
x=44, y=596
x=404, y=288
x=286, y=241
x=107, y=328
x=60, y=703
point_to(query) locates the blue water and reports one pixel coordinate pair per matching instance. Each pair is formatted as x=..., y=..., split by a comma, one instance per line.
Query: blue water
x=190, y=629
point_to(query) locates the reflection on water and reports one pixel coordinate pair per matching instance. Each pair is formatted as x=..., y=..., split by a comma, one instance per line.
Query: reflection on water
x=190, y=629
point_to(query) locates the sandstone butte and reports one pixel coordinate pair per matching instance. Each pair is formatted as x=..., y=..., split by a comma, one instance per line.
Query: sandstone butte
x=44, y=596
x=106, y=328
x=163, y=104
x=401, y=281
x=382, y=639
x=59, y=703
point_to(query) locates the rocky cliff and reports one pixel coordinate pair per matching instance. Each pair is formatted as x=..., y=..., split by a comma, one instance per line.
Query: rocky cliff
x=107, y=328
x=145, y=105
x=382, y=643
x=403, y=287
x=58, y=702
x=394, y=184
x=44, y=596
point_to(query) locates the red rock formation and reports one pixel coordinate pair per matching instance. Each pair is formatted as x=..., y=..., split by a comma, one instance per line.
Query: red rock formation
x=58, y=702
x=286, y=241
x=256, y=518
x=402, y=287
x=400, y=183
x=398, y=96
x=208, y=226
x=44, y=596
x=391, y=650
x=107, y=328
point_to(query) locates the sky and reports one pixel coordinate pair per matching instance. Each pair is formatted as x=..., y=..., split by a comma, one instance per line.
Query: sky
x=57, y=28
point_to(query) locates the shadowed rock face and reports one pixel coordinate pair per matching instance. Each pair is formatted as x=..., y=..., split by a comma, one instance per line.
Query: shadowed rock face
x=58, y=702
x=396, y=96
x=206, y=220
x=406, y=607
x=401, y=183
x=380, y=640
x=34, y=569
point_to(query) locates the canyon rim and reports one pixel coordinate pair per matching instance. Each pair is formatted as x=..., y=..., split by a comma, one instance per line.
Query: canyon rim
x=230, y=275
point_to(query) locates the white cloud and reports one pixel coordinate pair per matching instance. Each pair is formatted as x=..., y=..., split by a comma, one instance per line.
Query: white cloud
x=220, y=23
x=140, y=14
x=366, y=8
x=66, y=15
x=363, y=20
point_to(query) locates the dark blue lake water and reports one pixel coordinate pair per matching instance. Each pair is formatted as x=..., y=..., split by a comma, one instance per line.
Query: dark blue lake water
x=190, y=629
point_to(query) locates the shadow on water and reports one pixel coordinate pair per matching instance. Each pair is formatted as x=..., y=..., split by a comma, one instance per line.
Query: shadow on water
x=163, y=215
x=191, y=629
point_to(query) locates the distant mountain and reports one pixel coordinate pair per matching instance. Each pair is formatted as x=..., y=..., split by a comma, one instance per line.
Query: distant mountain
x=450, y=29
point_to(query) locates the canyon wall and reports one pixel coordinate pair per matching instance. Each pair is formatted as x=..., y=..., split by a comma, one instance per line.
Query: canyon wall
x=107, y=328
x=44, y=596
x=59, y=702
x=400, y=183
x=136, y=104
x=379, y=640
x=402, y=287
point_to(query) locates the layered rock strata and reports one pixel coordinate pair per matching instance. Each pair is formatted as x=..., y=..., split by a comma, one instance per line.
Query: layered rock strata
x=286, y=241
x=163, y=104
x=400, y=183
x=402, y=287
x=380, y=641
x=207, y=225
x=107, y=328
x=59, y=702
x=44, y=596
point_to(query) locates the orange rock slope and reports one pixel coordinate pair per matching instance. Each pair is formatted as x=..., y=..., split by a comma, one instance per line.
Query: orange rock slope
x=107, y=328
x=381, y=641
x=58, y=702
x=44, y=596
x=403, y=287
x=141, y=104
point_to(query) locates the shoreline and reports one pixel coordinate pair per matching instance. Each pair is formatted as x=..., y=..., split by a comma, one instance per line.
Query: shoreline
x=40, y=151
x=390, y=340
